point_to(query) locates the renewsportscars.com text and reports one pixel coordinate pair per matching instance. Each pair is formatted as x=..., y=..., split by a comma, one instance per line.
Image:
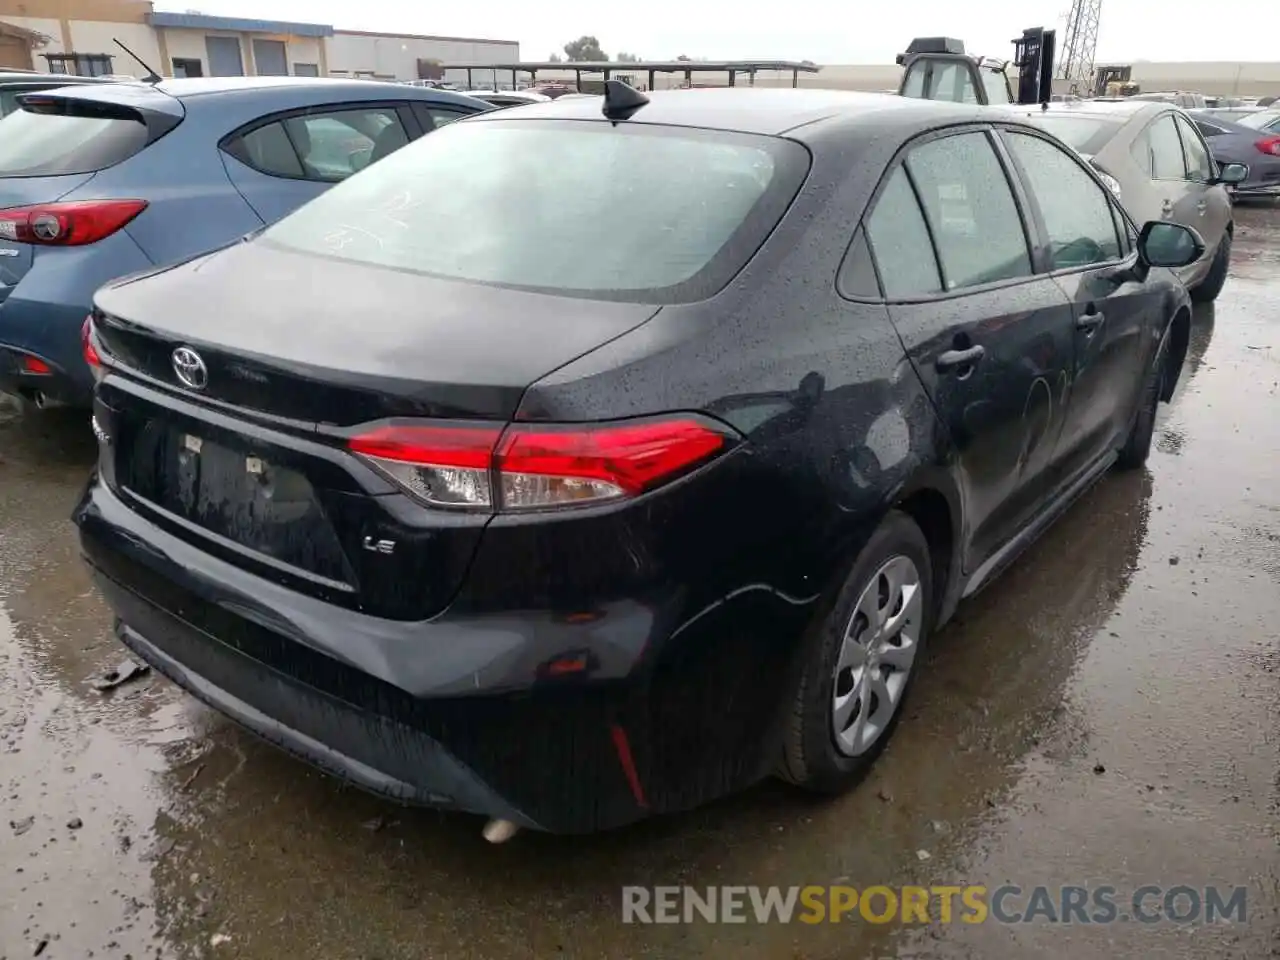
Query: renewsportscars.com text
x=1007, y=904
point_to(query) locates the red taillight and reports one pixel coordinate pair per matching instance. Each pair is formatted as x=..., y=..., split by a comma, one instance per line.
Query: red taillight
x=1269, y=146
x=71, y=224
x=35, y=366
x=91, y=356
x=528, y=467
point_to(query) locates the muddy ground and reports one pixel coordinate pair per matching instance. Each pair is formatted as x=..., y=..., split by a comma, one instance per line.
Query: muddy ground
x=1108, y=713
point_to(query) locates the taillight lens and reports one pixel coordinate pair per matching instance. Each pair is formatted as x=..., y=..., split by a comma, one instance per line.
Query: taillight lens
x=90, y=349
x=537, y=467
x=72, y=224
x=1269, y=146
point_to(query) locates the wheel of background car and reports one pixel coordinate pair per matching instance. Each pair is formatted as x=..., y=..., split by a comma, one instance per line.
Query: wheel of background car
x=1137, y=446
x=859, y=660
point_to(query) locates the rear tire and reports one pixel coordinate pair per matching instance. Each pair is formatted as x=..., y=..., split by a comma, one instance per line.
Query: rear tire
x=859, y=661
x=1216, y=279
x=1137, y=446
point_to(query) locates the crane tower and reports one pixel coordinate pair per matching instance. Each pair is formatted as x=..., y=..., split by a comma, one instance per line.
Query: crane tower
x=1080, y=45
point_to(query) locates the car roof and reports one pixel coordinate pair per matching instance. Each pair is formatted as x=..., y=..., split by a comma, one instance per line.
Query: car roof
x=188, y=87
x=1121, y=110
x=760, y=110
x=22, y=76
x=140, y=94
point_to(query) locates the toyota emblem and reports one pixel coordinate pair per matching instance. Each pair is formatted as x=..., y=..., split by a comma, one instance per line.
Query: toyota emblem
x=190, y=368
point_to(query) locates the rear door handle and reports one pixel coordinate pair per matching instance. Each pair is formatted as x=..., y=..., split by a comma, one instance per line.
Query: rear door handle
x=954, y=359
x=1166, y=208
x=1090, y=321
x=1202, y=206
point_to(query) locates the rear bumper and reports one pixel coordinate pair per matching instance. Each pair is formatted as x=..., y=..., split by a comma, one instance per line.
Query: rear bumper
x=456, y=712
x=58, y=386
x=361, y=748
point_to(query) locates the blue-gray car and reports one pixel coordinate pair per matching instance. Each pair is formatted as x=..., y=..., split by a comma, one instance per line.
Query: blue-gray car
x=104, y=180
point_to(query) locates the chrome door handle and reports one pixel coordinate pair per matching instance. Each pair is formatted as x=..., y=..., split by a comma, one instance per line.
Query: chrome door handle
x=1166, y=208
x=1090, y=321
x=1202, y=206
x=951, y=359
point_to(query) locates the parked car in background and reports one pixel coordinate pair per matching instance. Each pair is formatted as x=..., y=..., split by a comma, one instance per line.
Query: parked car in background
x=14, y=84
x=508, y=98
x=1179, y=98
x=1158, y=164
x=1267, y=121
x=438, y=485
x=101, y=180
x=1257, y=149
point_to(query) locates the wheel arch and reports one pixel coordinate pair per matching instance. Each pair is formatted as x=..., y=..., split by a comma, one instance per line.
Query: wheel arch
x=1179, y=335
x=932, y=499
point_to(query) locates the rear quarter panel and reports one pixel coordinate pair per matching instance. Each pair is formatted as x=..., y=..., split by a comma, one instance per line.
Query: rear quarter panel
x=835, y=418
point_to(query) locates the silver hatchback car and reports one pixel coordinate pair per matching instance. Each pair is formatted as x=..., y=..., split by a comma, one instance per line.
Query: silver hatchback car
x=1157, y=163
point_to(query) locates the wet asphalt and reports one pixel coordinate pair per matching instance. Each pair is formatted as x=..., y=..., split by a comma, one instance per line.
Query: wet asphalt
x=1107, y=713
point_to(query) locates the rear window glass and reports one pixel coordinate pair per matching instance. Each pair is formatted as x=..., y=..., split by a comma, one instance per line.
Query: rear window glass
x=1086, y=135
x=1259, y=121
x=649, y=213
x=53, y=138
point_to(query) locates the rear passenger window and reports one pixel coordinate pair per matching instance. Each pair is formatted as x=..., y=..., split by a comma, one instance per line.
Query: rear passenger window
x=900, y=241
x=268, y=150
x=1077, y=214
x=1199, y=166
x=971, y=211
x=1159, y=150
x=326, y=146
x=857, y=273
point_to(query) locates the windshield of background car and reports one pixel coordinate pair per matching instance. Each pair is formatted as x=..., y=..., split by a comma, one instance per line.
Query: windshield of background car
x=1086, y=135
x=633, y=212
x=48, y=138
x=1265, y=120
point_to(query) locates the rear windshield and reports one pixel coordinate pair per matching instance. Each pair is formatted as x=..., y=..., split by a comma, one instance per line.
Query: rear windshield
x=50, y=137
x=1260, y=121
x=634, y=212
x=1083, y=134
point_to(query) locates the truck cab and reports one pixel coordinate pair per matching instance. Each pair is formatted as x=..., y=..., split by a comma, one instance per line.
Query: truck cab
x=938, y=68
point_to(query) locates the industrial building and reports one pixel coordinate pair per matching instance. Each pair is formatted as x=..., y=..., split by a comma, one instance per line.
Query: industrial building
x=78, y=36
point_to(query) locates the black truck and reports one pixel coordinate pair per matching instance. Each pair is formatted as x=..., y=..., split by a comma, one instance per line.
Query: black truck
x=937, y=68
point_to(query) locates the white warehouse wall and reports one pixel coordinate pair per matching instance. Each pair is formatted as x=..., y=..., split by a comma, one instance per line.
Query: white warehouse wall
x=98, y=36
x=49, y=27
x=391, y=56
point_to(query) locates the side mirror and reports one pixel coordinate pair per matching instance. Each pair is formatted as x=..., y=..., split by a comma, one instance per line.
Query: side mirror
x=1232, y=173
x=1164, y=244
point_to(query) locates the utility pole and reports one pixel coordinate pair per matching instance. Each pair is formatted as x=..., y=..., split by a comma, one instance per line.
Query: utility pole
x=1080, y=45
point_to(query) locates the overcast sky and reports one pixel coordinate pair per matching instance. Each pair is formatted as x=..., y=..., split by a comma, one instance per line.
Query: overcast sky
x=825, y=31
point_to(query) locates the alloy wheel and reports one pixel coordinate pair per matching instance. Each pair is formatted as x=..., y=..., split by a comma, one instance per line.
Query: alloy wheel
x=876, y=655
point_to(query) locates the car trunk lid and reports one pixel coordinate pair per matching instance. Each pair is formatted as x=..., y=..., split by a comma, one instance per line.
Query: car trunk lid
x=252, y=464
x=369, y=343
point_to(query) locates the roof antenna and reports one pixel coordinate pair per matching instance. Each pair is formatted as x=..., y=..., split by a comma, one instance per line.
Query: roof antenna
x=152, y=77
x=621, y=100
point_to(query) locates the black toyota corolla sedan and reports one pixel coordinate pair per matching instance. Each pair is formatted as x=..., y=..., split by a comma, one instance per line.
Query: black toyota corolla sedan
x=588, y=460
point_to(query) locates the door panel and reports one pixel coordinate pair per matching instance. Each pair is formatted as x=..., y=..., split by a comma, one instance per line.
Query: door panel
x=1003, y=412
x=1092, y=262
x=994, y=351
